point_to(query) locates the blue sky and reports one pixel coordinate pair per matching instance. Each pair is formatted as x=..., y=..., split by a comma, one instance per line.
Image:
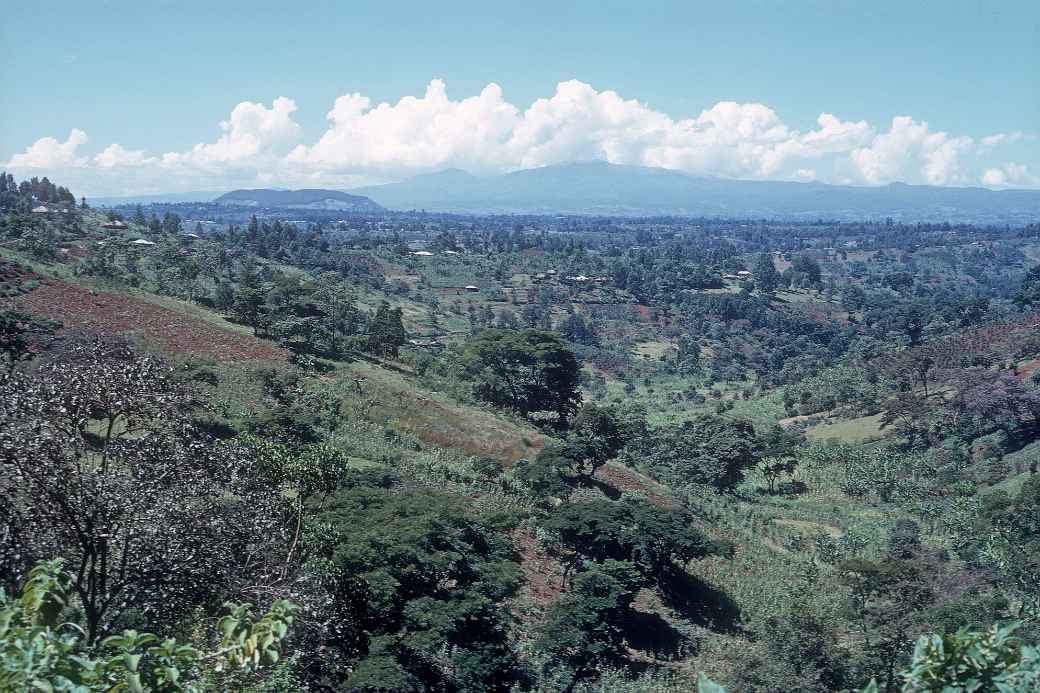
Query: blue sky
x=158, y=79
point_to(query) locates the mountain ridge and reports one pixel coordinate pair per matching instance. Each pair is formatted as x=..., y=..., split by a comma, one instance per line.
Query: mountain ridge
x=604, y=188
x=307, y=198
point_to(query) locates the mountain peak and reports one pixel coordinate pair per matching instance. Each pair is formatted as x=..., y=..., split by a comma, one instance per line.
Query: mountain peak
x=309, y=198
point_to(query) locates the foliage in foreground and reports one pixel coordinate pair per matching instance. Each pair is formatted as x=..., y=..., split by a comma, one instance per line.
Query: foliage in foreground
x=967, y=661
x=39, y=652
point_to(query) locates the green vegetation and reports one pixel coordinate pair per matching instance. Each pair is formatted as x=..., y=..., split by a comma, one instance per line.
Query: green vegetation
x=382, y=451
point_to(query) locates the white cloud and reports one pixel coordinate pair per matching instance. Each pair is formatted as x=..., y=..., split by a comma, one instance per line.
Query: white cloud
x=1000, y=138
x=994, y=177
x=910, y=151
x=1010, y=174
x=252, y=130
x=114, y=155
x=487, y=133
x=484, y=133
x=414, y=134
x=48, y=152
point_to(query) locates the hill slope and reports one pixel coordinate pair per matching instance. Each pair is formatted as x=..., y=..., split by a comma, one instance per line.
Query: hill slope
x=601, y=188
x=299, y=199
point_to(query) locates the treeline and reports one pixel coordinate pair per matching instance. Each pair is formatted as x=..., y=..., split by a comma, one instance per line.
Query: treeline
x=13, y=195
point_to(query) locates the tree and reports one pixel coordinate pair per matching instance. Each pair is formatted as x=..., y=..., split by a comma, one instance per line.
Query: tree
x=656, y=541
x=545, y=475
x=795, y=652
x=104, y=467
x=40, y=652
x=336, y=302
x=386, y=333
x=773, y=468
x=596, y=435
x=527, y=371
x=1008, y=542
x=707, y=450
x=1029, y=293
x=584, y=632
x=885, y=597
x=807, y=266
x=578, y=329
x=413, y=583
x=767, y=279
x=250, y=307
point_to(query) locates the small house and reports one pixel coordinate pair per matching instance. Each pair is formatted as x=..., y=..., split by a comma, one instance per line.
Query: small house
x=115, y=225
x=42, y=209
x=471, y=288
x=141, y=242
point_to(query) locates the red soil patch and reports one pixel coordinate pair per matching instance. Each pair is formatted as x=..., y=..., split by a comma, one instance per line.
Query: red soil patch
x=115, y=314
x=543, y=577
x=1025, y=370
x=625, y=479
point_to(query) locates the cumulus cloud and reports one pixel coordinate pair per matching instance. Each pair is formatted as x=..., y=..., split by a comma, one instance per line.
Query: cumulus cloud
x=485, y=133
x=912, y=151
x=1010, y=174
x=416, y=133
x=48, y=152
x=114, y=155
x=578, y=122
x=251, y=131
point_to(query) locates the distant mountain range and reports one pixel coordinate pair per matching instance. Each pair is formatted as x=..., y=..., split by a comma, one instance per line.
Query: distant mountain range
x=299, y=199
x=158, y=198
x=602, y=188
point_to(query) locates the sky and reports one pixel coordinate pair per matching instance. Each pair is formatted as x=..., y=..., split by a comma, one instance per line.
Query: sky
x=142, y=97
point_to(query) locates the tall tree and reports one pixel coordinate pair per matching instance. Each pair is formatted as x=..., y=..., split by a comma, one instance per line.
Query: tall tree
x=767, y=279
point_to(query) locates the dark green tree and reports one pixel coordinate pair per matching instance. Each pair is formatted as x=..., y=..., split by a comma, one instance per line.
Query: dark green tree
x=386, y=333
x=584, y=632
x=707, y=450
x=767, y=279
x=415, y=582
x=527, y=371
x=1029, y=292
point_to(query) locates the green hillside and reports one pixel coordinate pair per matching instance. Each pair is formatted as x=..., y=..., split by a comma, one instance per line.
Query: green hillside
x=461, y=453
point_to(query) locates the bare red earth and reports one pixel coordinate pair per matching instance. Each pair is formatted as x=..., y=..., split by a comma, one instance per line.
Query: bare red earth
x=624, y=479
x=115, y=314
x=543, y=577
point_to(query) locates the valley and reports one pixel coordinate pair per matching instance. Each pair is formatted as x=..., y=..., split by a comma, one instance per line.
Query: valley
x=543, y=452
